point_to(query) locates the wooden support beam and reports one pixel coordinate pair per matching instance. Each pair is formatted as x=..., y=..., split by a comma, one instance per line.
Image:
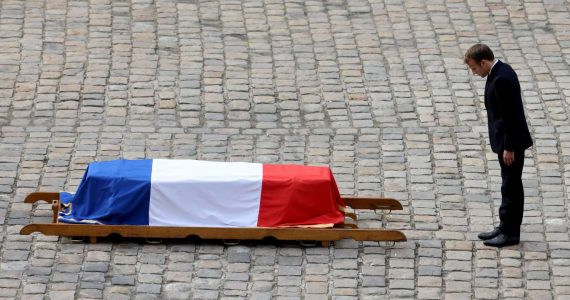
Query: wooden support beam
x=39, y=196
x=254, y=233
x=372, y=203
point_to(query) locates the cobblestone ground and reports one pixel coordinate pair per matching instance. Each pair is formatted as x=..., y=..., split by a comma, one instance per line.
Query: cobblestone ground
x=375, y=89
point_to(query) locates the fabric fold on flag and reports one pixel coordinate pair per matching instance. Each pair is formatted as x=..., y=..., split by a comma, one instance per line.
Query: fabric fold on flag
x=193, y=193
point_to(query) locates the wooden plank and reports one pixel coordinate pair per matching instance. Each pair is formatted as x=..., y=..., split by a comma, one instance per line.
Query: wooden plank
x=372, y=203
x=353, y=202
x=256, y=233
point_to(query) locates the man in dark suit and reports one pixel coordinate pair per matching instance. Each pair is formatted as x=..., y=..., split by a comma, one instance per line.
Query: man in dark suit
x=509, y=137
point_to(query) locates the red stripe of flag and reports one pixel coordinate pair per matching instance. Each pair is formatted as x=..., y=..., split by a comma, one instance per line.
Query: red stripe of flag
x=298, y=195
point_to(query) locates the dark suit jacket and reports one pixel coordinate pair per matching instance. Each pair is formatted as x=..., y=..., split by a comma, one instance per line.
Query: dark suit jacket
x=507, y=124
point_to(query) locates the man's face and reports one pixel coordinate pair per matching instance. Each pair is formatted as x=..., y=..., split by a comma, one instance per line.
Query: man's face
x=481, y=68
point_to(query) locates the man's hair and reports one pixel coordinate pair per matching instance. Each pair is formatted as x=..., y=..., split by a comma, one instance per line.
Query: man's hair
x=479, y=52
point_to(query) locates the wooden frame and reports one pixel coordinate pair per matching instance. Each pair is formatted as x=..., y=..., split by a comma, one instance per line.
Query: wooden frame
x=347, y=230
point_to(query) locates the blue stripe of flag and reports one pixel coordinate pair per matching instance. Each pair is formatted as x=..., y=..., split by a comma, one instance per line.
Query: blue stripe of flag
x=113, y=192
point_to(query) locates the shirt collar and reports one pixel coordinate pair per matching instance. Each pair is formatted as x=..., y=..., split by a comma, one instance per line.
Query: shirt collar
x=494, y=63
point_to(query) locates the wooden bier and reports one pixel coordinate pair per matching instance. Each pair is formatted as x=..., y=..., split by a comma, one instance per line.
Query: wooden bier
x=347, y=230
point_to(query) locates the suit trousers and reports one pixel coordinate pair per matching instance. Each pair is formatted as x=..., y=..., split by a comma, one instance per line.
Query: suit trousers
x=512, y=192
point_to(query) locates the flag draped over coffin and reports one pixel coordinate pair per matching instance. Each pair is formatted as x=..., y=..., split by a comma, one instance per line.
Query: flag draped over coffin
x=162, y=192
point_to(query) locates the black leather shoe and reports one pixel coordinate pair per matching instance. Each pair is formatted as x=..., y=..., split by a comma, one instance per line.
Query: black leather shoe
x=502, y=240
x=489, y=235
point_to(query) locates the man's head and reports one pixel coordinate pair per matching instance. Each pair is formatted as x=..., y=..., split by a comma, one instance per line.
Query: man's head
x=479, y=58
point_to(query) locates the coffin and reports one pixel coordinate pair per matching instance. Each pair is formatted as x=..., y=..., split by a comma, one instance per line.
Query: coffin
x=193, y=193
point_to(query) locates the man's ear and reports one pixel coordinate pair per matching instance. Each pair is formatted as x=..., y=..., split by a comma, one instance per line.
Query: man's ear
x=486, y=64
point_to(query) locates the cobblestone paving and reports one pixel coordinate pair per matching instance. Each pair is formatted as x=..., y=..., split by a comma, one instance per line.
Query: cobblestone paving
x=375, y=89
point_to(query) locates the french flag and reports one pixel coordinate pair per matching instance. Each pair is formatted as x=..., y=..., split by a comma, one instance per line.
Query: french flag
x=193, y=193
